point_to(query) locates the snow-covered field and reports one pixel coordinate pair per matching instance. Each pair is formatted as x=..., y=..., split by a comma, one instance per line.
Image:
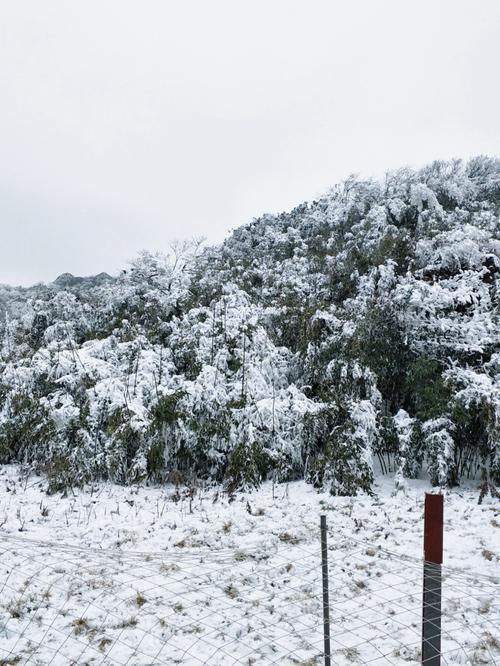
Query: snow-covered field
x=115, y=575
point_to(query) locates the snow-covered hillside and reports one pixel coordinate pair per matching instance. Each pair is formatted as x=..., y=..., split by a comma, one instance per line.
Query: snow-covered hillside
x=359, y=328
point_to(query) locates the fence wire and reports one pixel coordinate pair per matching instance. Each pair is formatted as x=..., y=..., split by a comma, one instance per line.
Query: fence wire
x=62, y=604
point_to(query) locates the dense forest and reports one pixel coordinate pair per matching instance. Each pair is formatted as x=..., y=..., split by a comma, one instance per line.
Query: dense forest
x=356, y=335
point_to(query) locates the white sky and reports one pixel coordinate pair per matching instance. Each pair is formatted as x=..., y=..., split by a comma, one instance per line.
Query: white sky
x=127, y=124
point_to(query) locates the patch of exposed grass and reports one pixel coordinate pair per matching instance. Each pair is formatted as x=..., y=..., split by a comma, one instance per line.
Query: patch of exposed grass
x=140, y=600
x=124, y=624
x=80, y=626
x=104, y=643
x=286, y=537
x=231, y=591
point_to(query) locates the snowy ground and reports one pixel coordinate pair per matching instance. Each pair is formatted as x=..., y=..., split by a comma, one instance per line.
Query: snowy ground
x=155, y=576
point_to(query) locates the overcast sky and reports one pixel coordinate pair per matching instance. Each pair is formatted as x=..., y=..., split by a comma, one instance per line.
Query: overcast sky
x=127, y=124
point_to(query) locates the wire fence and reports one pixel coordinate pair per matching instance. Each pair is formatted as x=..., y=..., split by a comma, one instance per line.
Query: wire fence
x=67, y=605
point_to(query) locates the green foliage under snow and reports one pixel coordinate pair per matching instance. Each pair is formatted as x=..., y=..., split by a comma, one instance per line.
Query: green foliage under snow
x=358, y=333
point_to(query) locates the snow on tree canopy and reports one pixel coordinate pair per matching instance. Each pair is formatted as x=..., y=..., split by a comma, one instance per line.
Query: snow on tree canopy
x=358, y=333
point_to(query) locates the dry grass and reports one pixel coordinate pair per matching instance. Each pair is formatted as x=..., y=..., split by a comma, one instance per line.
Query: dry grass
x=80, y=626
x=231, y=591
x=286, y=537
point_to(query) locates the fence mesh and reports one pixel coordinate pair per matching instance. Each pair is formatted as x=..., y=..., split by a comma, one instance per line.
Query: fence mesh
x=68, y=605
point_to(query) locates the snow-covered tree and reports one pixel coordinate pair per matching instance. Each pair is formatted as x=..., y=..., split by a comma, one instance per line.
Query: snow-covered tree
x=362, y=326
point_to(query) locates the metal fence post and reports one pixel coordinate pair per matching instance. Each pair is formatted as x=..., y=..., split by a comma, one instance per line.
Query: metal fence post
x=326, y=602
x=433, y=558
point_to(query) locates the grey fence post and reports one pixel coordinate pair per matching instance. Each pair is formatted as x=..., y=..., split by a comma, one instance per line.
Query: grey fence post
x=326, y=602
x=433, y=558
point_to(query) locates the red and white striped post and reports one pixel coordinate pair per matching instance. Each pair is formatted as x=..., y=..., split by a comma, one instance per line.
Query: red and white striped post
x=433, y=559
